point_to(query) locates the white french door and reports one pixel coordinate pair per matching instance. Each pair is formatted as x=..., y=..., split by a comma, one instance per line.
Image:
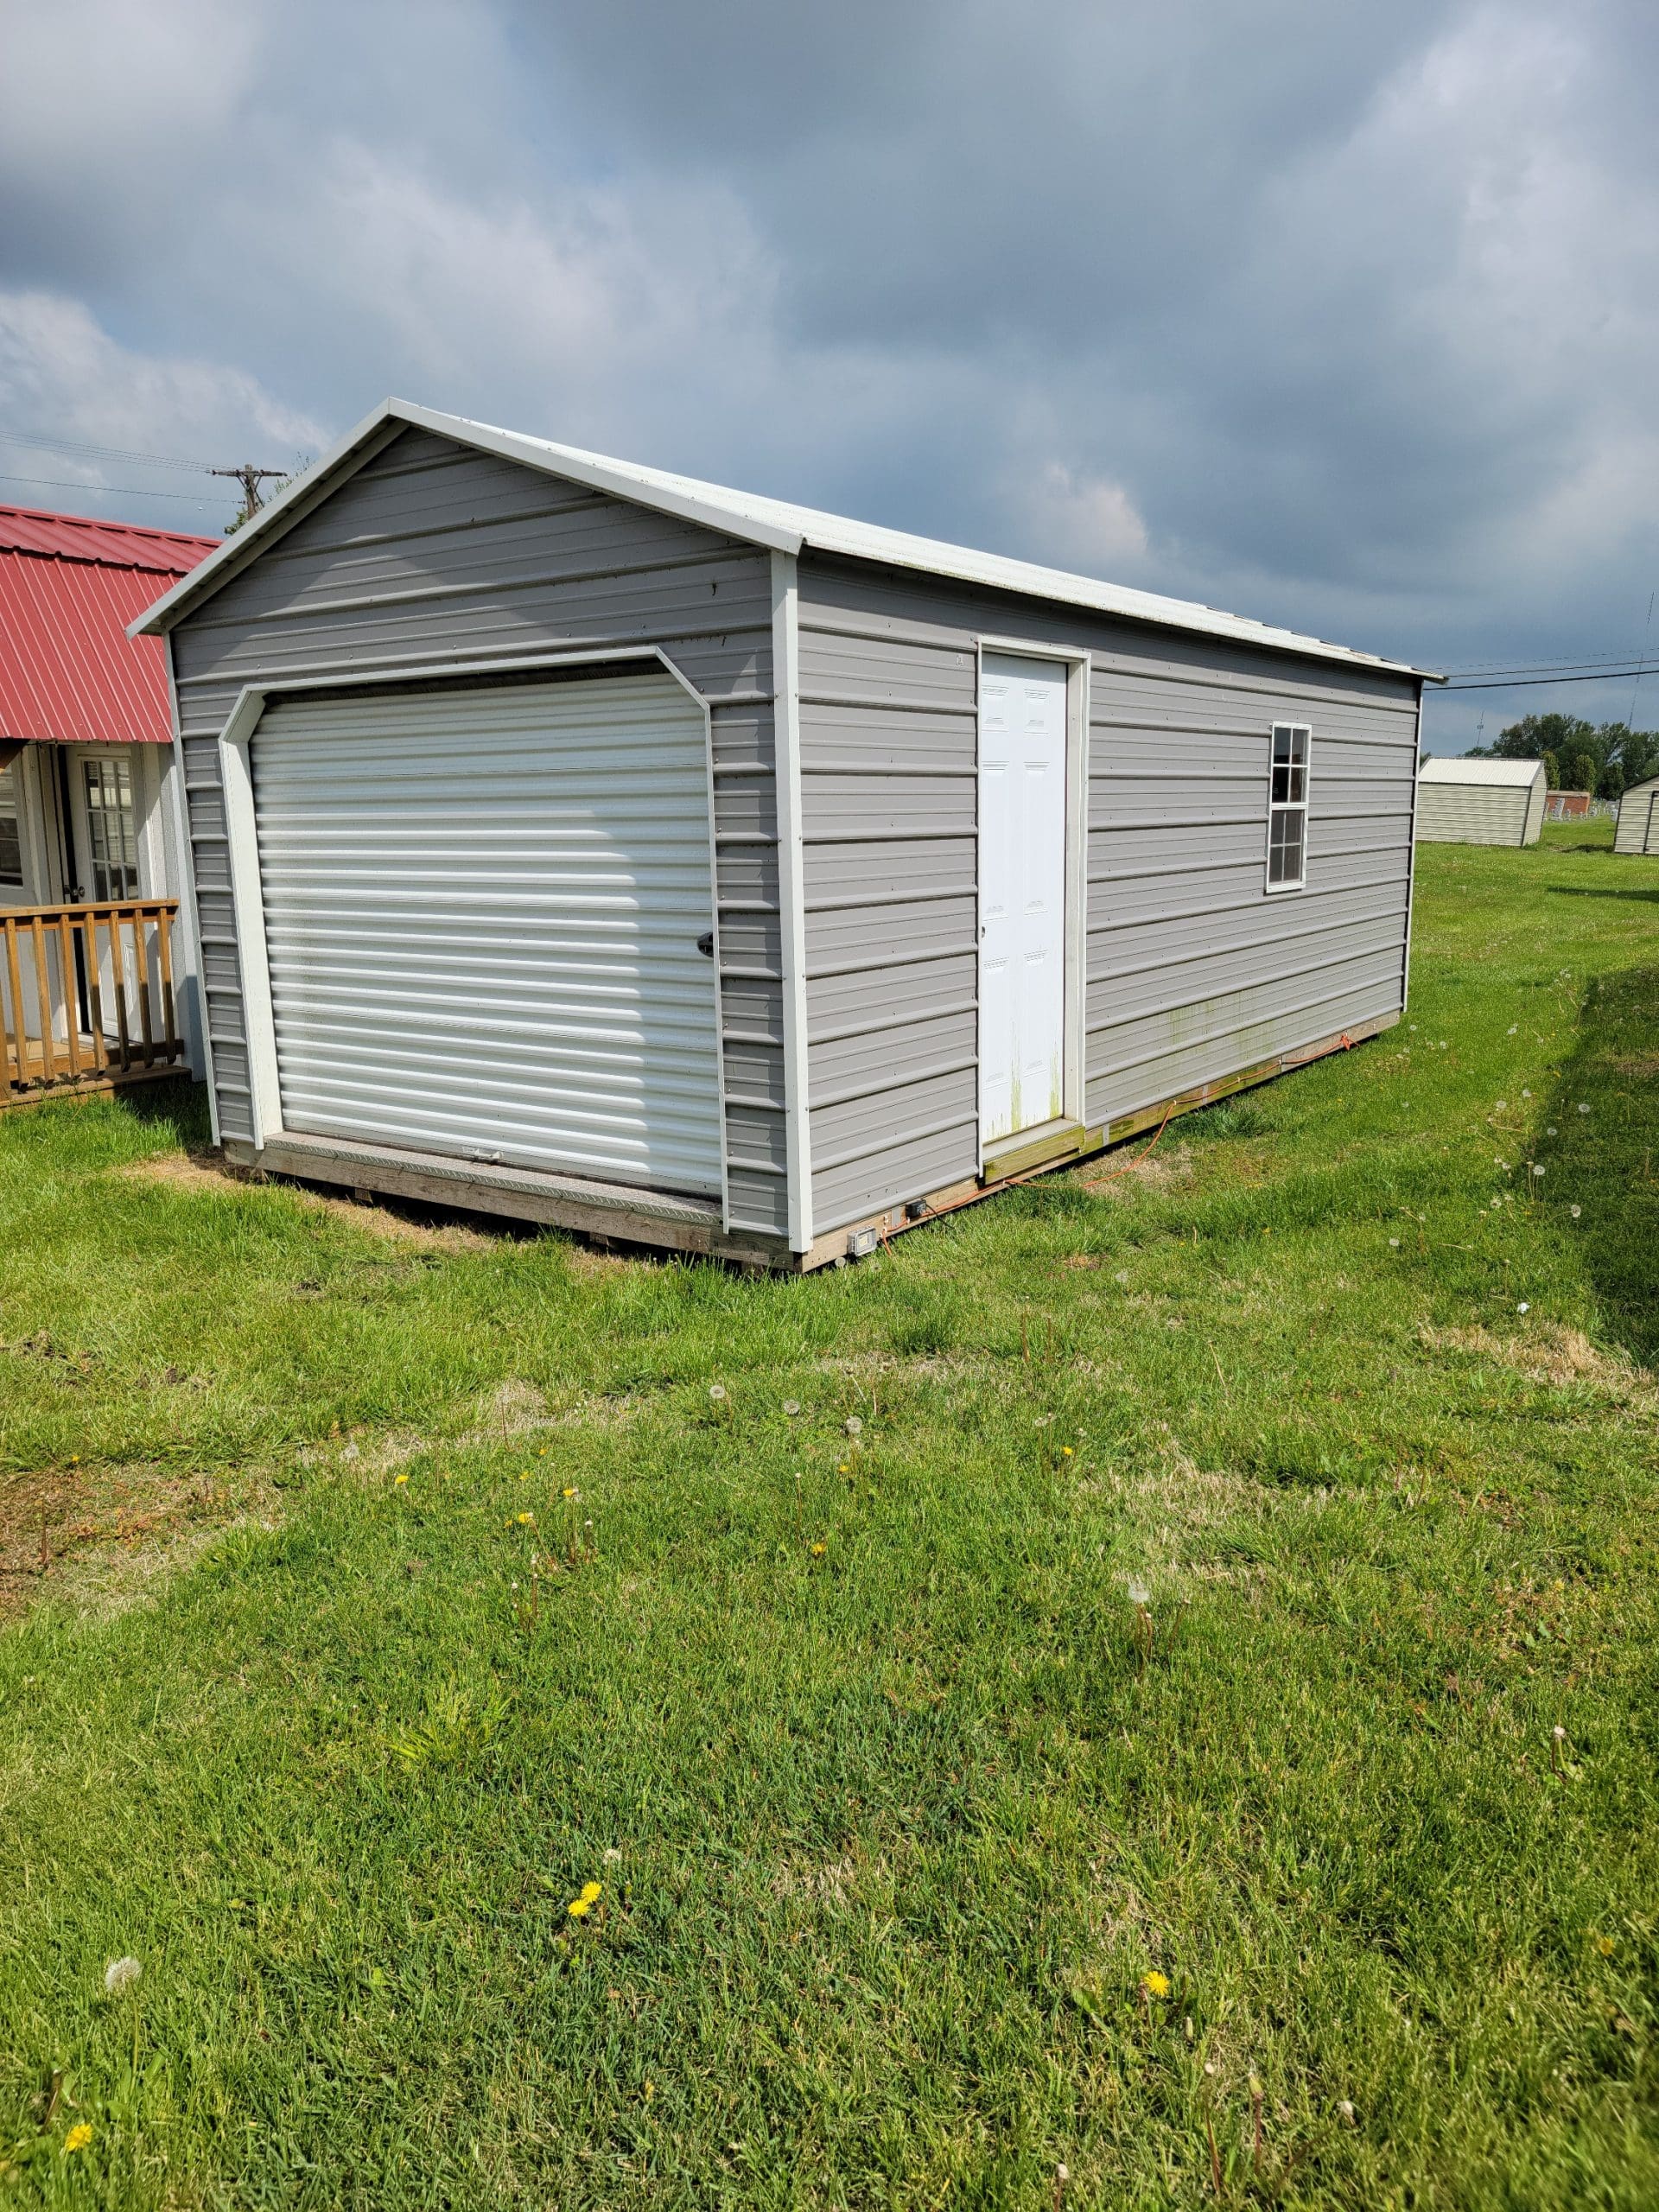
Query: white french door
x=1022, y=892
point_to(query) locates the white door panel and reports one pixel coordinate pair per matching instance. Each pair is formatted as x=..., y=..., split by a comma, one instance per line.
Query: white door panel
x=1022, y=723
x=482, y=909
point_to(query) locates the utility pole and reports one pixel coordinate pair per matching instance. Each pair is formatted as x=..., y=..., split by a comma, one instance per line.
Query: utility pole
x=249, y=478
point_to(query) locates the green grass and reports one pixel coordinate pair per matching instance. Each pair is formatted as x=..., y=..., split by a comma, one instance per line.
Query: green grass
x=895, y=1798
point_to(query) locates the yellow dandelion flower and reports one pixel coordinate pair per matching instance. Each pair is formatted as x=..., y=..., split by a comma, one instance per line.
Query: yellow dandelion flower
x=525, y=1519
x=396, y=1479
x=570, y=1491
x=1155, y=1984
x=593, y=1892
x=843, y=1469
x=579, y=1907
x=818, y=1550
x=78, y=2136
x=1066, y=1451
x=1605, y=1945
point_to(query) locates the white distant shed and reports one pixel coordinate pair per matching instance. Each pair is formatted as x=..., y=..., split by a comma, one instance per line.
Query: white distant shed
x=1638, y=819
x=1463, y=802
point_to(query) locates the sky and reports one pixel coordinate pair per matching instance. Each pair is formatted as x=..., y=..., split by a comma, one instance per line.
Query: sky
x=1339, y=315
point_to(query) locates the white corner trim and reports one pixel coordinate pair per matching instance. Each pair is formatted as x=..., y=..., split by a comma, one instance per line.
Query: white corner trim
x=791, y=892
x=247, y=899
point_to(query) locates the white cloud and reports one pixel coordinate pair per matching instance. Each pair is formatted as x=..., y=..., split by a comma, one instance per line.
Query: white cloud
x=62, y=375
x=1086, y=523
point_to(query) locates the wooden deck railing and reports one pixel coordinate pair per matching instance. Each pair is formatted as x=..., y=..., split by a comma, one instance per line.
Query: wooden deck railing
x=87, y=997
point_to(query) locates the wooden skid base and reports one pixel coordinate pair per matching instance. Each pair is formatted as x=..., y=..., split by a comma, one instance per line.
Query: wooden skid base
x=1018, y=1164
x=613, y=1214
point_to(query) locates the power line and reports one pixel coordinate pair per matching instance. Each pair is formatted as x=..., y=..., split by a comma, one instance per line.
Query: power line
x=101, y=453
x=140, y=492
x=1521, y=682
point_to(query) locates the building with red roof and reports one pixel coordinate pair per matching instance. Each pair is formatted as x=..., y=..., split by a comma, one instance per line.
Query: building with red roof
x=88, y=812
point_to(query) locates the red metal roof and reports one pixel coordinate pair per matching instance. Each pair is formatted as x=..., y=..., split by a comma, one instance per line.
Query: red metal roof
x=69, y=585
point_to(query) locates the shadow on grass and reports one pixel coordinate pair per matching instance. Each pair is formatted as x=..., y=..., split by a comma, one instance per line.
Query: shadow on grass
x=1594, y=891
x=1608, y=1159
x=179, y=1104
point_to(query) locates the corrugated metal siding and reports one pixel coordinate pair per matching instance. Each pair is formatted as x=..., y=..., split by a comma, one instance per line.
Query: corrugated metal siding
x=1637, y=828
x=436, y=553
x=1193, y=972
x=1475, y=814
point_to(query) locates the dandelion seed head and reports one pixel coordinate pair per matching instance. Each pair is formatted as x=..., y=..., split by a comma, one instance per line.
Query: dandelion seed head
x=1394, y=1242
x=1139, y=1593
x=1502, y=1107
x=1583, y=1109
x=1511, y=1031
x=1526, y=1094
x=119, y=1975
x=1344, y=2108
x=791, y=1407
x=1538, y=1167
x=1523, y=1307
x=1559, y=1733
x=717, y=1391
x=1575, y=1211
x=1551, y=1131
x=853, y=1425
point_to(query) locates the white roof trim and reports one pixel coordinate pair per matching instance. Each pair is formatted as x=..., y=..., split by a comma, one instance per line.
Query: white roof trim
x=776, y=523
x=1443, y=768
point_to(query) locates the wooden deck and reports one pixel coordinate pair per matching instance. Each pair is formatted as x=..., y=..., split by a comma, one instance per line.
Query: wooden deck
x=87, y=1000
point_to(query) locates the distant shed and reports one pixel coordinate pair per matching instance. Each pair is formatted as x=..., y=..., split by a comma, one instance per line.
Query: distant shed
x=1462, y=802
x=1638, y=819
x=581, y=842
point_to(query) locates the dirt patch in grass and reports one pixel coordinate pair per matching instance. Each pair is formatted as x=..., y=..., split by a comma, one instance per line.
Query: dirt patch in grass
x=114, y=1531
x=1156, y=1171
x=205, y=1172
x=1554, y=1354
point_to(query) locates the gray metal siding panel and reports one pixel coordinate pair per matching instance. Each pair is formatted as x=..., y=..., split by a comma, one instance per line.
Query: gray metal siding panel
x=1192, y=971
x=433, y=553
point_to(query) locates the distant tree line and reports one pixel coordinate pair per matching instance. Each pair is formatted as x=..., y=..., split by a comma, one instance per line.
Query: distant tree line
x=1605, y=757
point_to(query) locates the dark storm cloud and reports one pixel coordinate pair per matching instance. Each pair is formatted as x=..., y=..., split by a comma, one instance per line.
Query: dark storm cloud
x=1340, y=314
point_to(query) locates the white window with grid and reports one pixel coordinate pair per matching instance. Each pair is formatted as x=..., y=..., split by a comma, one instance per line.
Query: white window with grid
x=1288, y=808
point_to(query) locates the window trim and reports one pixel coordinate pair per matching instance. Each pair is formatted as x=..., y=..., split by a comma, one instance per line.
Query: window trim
x=15, y=811
x=1276, y=807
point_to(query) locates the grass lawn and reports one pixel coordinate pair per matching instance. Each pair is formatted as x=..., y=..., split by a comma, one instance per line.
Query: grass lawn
x=930, y=1860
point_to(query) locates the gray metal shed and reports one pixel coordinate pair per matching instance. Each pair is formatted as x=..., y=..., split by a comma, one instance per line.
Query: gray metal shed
x=588, y=843
x=1463, y=802
x=1637, y=829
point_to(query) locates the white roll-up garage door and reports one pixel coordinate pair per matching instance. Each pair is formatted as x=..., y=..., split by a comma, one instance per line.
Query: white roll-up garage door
x=482, y=908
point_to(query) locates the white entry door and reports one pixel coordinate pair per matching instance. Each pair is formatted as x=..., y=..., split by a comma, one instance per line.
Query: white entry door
x=1021, y=893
